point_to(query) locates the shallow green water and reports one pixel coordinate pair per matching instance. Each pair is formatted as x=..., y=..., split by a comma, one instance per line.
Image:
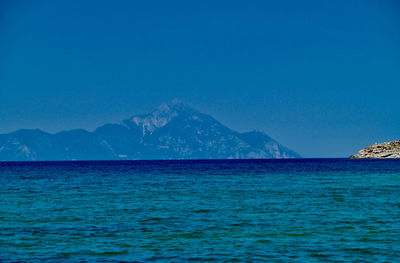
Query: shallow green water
x=323, y=210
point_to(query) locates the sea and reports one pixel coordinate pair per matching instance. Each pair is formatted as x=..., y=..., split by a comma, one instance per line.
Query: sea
x=296, y=210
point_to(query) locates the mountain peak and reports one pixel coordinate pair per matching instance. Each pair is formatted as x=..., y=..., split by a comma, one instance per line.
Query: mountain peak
x=160, y=117
x=172, y=107
x=172, y=131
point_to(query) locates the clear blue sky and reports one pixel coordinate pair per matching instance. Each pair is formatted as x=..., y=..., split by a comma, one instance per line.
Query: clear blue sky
x=322, y=77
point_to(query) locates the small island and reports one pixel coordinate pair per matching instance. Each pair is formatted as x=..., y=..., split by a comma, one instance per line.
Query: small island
x=387, y=150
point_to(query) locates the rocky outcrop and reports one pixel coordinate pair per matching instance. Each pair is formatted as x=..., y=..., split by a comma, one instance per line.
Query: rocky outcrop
x=387, y=150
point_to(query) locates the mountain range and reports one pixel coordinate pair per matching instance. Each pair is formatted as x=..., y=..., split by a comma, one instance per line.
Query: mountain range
x=172, y=131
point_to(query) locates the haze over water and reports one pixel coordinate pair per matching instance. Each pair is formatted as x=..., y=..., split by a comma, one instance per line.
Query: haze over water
x=305, y=210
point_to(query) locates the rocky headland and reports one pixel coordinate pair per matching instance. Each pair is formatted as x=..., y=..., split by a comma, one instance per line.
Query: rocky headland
x=387, y=150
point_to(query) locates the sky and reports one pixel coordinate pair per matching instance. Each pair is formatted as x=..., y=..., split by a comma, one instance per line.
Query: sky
x=321, y=77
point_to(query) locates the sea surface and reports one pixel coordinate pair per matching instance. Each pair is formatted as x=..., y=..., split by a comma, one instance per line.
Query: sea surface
x=300, y=210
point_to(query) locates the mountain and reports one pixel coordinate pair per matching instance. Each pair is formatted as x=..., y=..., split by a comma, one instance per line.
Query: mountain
x=387, y=150
x=172, y=131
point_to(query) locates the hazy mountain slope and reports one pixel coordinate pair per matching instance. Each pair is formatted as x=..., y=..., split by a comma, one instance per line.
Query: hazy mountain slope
x=172, y=131
x=267, y=145
x=25, y=145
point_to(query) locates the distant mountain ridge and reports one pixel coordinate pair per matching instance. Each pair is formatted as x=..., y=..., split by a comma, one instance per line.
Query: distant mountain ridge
x=172, y=131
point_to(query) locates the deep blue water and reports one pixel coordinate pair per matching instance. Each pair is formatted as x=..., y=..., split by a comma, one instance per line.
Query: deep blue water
x=316, y=210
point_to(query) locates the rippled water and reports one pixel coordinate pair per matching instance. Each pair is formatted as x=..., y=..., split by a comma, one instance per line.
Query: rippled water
x=326, y=210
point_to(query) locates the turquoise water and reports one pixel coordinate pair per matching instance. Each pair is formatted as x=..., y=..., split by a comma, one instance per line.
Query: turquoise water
x=322, y=210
